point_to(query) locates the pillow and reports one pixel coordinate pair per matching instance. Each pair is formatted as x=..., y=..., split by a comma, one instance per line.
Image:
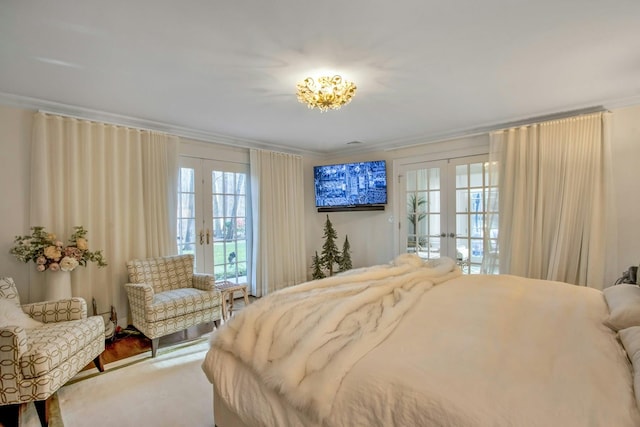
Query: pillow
x=12, y=315
x=630, y=338
x=624, y=306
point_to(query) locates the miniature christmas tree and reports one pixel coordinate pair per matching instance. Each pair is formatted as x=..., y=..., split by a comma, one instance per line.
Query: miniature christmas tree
x=316, y=265
x=330, y=253
x=345, y=258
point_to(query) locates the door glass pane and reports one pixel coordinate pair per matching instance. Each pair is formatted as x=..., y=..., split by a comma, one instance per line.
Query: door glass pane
x=186, y=215
x=475, y=174
x=434, y=202
x=422, y=181
x=230, y=221
x=434, y=179
x=462, y=200
x=462, y=180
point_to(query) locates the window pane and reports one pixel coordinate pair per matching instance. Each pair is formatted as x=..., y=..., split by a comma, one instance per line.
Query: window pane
x=434, y=201
x=229, y=182
x=462, y=200
x=476, y=171
x=187, y=180
x=461, y=176
x=462, y=228
x=434, y=179
x=422, y=179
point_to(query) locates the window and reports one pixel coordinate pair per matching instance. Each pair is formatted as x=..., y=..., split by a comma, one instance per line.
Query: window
x=213, y=222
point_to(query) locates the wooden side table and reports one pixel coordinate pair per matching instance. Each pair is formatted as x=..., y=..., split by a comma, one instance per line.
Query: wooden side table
x=227, y=289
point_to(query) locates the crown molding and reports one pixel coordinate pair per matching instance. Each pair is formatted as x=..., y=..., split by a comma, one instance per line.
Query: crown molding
x=82, y=113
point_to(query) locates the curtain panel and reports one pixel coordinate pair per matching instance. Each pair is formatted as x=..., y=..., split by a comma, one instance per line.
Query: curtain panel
x=554, y=200
x=277, y=199
x=119, y=183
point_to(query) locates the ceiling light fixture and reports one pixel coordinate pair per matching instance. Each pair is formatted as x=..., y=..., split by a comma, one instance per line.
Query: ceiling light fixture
x=326, y=93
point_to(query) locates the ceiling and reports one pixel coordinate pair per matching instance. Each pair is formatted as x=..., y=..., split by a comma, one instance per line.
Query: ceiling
x=226, y=70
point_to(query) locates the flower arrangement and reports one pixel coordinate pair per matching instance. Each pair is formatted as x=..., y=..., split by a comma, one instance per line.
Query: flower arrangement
x=49, y=253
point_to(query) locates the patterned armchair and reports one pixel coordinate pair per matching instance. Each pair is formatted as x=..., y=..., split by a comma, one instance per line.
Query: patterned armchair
x=166, y=296
x=36, y=361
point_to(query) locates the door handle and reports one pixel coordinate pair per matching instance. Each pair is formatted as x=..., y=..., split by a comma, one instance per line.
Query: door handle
x=201, y=237
x=208, y=234
x=443, y=234
x=452, y=235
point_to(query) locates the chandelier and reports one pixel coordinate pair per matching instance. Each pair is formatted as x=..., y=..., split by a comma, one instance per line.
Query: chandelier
x=326, y=93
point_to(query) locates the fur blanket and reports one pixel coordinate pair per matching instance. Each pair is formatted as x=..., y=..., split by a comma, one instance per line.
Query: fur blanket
x=303, y=340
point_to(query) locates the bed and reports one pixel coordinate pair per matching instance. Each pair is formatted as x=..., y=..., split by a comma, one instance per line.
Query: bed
x=416, y=343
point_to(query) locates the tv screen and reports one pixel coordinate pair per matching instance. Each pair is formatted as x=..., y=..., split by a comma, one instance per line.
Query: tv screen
x=351, y=184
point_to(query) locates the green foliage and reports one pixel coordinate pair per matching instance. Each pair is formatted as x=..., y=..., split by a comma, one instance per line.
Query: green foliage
x=345, y=259
x=316, y=266
x=330, y=253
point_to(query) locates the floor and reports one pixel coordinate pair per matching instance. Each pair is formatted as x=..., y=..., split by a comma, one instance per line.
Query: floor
x=130, y=342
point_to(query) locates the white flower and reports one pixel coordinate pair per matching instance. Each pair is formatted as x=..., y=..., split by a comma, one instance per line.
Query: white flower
x=68, y=264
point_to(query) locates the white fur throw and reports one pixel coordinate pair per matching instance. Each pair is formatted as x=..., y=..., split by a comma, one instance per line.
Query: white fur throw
x=304, y=339
x=12, y=315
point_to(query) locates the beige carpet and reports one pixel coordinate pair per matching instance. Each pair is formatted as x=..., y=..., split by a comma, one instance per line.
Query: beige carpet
x=170, y=390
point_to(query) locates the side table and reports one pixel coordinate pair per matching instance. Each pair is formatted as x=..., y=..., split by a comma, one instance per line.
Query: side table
x=227, y=289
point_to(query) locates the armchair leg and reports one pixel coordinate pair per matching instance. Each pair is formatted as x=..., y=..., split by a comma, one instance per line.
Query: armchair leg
x=154, y=346
x=216, y=323
x=9, y=415
x=42, y=408
x=98, y=362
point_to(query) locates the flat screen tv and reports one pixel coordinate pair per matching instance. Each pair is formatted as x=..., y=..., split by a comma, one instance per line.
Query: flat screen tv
x=347, y=186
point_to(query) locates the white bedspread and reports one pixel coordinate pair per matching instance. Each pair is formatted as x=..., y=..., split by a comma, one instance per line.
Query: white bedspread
x=471, y=351
x=302, y=340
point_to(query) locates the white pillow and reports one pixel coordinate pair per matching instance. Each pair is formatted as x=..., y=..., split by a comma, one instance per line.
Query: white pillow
x=624, y=306
x=630, y=338
x=12, y=315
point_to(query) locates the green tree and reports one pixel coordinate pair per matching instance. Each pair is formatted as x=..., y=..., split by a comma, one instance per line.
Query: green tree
x=316, y=266
x=330, y=254
x=345, y=258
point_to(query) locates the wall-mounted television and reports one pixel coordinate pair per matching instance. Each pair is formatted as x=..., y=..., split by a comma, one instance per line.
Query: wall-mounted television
x=351, y=186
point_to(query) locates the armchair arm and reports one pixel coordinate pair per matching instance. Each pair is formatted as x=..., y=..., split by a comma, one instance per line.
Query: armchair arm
x=204, y=282
x=13, y=343
x=140, y=294
x=57, y=311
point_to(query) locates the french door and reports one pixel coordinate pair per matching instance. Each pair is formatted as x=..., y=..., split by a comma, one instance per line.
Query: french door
x=213, y=222
x=443, y=210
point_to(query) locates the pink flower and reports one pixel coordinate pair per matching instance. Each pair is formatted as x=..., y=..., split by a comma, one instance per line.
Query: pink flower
x=54, y=266
x=41, y=267
x=41, y=260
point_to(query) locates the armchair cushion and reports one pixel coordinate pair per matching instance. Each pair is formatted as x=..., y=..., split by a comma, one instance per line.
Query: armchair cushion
x=12, y=315
x=54, y=343
x=169, y=304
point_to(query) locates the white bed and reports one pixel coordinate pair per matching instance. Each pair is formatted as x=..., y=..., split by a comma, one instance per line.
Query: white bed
x=413, y=344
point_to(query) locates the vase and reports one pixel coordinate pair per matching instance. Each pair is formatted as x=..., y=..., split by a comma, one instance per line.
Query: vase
x=58, y=285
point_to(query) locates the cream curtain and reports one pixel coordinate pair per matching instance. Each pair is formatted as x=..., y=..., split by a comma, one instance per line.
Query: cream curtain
x=277, y=199
x=555, y=202
x=119, y=183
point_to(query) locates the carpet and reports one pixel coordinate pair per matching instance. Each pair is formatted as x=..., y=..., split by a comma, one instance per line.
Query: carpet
x=169, y=390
